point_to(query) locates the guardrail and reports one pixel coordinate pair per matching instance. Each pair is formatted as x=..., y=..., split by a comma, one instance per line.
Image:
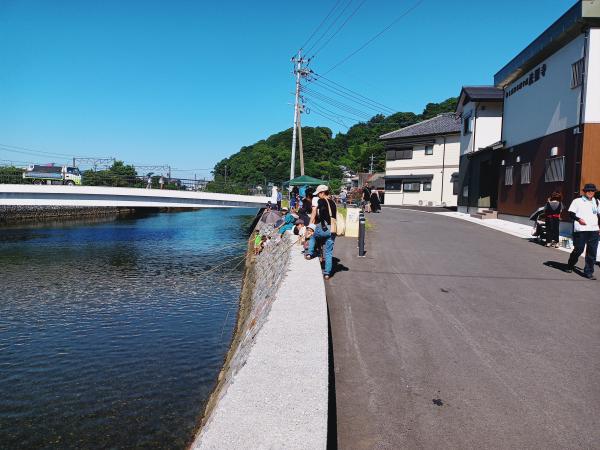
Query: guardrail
x=140, y=182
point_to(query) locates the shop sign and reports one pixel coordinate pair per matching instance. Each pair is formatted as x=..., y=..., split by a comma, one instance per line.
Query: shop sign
x=534, y=77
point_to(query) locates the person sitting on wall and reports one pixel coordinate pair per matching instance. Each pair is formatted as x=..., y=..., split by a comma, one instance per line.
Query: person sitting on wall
x=585, y=211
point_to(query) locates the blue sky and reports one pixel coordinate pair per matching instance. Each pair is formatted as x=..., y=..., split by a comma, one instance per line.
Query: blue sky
x=187, y=83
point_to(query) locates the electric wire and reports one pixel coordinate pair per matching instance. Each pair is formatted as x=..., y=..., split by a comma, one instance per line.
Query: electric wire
x=323, y=80
x=331, y=118
x=397, y=19
x=308, y=51
x=339, y=29
x=362, y=103
x=321, y=24
x=312, y=103
x=16, y=147
x=338, y=104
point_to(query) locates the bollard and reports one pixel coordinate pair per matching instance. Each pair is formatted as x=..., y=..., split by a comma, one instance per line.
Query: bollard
x=361, y=236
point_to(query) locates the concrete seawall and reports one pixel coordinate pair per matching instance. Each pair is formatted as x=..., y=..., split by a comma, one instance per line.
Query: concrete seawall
x=273, y=389
x=16, y=214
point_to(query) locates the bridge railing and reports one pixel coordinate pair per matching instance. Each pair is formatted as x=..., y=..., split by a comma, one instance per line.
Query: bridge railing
x=180, y=184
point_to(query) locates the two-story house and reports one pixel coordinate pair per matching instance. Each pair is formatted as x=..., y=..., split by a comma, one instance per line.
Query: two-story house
x=422, y=162
x=480, y=110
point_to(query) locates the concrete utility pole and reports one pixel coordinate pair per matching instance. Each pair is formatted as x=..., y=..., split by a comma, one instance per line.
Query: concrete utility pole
x=300, y=111
x=371, y=166
x=300, y=71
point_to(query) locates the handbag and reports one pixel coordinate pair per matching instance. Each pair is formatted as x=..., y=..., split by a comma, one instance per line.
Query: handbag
x=333, y=219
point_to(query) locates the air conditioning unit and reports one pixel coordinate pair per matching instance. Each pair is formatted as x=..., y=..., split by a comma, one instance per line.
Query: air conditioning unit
x=429, y=203
x=420, y=202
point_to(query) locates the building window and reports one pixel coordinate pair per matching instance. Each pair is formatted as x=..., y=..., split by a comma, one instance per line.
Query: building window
x=426, y=185
x=392, y=155
x=429, y=149
x=393, y=185
x=467, y=125
x=412, y=187
x=555, y=170
x=526, y=173
x=577, y=72
x=454, y=181
x=508, y=176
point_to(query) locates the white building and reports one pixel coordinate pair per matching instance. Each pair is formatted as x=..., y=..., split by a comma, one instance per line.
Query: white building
x=422, y=162
x=551, y=121
x=480, y=110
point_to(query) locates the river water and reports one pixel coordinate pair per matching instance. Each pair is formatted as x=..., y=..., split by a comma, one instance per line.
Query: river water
x=112, y=332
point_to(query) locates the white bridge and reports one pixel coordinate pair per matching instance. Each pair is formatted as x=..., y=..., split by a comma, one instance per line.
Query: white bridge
x=97, y=196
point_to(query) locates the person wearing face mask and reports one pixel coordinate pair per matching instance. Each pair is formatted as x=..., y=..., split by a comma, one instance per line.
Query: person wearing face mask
x=584, y=211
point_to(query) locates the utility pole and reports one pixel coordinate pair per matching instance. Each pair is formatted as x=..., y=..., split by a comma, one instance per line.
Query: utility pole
x=300, y=71
x=225, y=174
x=300, y=111
x=371, y=166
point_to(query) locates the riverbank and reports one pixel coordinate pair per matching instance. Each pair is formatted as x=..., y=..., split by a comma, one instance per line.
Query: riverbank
x=273, y=389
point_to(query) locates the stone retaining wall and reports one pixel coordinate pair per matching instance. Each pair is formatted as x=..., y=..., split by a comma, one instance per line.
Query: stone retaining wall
x=262, y=277
x=12, y=214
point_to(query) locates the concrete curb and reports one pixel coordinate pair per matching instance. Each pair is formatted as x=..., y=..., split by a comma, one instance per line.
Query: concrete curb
x=279, y=398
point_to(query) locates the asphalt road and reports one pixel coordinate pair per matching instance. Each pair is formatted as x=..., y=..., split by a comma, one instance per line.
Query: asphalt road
x=452, y=335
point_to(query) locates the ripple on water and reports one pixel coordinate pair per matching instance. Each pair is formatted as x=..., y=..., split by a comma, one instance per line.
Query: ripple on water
x=110, y=332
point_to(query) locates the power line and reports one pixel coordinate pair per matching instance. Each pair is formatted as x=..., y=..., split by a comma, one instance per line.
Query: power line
x=34, y=150
x=329, y=28
x=397, y=19
x=362, y=103
x=337, y=103
x=339, y=29
x=313, y=103
x=332, y=119
x=322, y=23
x=350, y=92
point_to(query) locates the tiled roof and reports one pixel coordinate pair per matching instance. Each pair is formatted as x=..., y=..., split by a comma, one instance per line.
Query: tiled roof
x=482, y=93
x=447, y=123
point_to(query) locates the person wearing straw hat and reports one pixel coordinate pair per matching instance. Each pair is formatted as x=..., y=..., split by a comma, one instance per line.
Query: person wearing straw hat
x=585, y=211
x=323, y=218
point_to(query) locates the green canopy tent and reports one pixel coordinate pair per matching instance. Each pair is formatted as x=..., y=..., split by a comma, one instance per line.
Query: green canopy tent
x=304, y=180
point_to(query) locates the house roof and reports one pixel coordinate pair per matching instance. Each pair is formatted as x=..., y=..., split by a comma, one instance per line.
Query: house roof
x=583, y=14
x=447, y=123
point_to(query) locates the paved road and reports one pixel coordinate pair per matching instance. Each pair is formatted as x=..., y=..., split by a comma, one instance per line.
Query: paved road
x=452, y=335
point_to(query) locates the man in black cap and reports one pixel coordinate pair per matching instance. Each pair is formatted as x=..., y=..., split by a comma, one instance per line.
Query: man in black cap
x=585, y=211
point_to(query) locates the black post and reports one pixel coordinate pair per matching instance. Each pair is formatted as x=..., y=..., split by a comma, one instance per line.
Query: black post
x=361, y=234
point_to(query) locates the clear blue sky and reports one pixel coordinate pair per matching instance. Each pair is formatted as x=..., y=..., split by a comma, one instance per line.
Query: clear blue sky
x=187, y=83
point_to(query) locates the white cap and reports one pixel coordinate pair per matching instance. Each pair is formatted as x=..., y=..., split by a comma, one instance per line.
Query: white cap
x=321, y=188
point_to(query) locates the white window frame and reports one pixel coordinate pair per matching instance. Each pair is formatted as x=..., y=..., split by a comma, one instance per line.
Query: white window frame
x=509, y=176
x=526, y=173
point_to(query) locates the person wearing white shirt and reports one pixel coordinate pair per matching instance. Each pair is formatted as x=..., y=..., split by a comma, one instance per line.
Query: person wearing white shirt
x=274, y=197
x=585, y=211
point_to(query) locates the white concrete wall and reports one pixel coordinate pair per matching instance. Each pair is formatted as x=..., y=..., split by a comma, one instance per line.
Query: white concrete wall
x=488, y=129
x=548, y=105
x=441, y=168
x=592, y=81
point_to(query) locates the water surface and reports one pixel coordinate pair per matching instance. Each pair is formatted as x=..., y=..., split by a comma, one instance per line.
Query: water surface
x=112, y=333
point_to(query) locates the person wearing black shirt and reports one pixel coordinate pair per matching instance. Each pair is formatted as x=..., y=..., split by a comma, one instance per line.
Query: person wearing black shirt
x=322, y=217
x=366, y=198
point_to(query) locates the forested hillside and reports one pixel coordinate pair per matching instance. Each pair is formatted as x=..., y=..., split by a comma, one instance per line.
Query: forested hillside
x=269, y=159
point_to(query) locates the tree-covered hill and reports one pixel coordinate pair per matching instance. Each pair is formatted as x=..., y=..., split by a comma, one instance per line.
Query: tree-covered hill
x=269, y=159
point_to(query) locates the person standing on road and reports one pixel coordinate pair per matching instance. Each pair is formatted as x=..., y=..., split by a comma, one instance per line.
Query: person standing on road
x=375, y=202
x=552, y=211
x=366, y=198
x=149, y=182
x=584, y=211
x=161, y=182
x=324, y=220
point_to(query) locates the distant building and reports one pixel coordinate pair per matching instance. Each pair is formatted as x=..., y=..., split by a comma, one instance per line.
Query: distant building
x=480, y=110
x=422, y=162
x=551, y=119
